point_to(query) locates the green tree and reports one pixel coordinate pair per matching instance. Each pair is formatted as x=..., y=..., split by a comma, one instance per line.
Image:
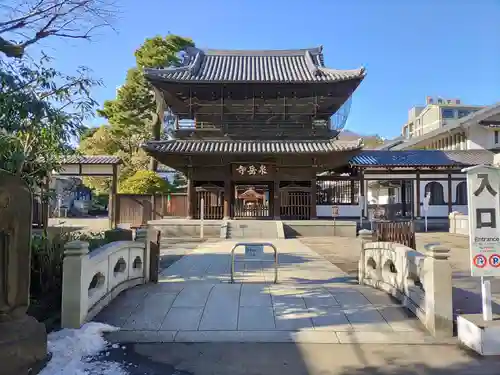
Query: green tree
x=41, y=112
x=133, y=116
x=98, y=141
x=144, y=182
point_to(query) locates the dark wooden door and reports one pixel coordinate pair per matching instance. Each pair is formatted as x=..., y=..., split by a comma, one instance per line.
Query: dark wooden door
x=295, y=202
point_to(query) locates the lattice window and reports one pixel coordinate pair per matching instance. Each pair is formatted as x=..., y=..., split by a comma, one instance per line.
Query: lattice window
x=337, y=192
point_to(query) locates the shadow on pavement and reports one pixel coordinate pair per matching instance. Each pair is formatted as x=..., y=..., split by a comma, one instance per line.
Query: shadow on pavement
x=298, y=359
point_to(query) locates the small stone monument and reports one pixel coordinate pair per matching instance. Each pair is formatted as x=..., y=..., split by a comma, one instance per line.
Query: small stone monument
x=23, y=340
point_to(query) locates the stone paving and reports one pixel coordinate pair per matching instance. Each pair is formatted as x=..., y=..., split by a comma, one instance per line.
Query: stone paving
x=314, y=302
x=466, y=289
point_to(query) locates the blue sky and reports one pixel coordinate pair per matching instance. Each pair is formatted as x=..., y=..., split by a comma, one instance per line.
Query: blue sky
x=411, y=49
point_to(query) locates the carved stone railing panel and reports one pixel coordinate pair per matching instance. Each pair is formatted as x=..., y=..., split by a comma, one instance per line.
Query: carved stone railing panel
x=422, y=282
x=92, y=280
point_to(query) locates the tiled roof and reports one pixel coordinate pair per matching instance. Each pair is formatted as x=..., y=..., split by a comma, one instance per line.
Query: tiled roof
x=421, y=158
x=92, y=159
x=302, y=65
x=243, y=147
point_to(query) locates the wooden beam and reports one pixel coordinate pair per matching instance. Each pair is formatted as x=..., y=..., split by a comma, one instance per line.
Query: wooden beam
x=450, y=201
x=191, y=194
x=175, y=103
x=276, y=196
x=228, y=196
x=314, y=214
x=112, y=202
x=418, y=192
x=361, y=176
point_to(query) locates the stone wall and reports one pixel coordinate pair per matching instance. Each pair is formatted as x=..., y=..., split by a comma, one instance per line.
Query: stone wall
x=319, y=228
x=184, y=228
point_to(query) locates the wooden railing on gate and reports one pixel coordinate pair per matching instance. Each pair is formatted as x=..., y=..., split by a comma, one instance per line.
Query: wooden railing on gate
x=212, y=197
x=137, y=209
x=402, y=232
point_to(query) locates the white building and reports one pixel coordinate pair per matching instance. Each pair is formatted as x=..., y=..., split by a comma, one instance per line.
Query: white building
x=468, y=134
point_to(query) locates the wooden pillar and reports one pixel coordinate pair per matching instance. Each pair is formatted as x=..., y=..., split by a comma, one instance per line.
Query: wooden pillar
x=191, y=195
x=113, y=208
x=403, y=198
x=353, y=185
x=450, y=198
x=153, y=206
x=276, y=197
x=314, y=214
x=362, y=191
x=227, y=198
x=418, y=192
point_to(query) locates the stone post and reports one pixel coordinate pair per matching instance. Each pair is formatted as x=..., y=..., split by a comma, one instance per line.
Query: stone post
x=144, y=235
x=366, y=236
x=438, y=288
x=23, y=340
x=75, y=284
x=452, y=222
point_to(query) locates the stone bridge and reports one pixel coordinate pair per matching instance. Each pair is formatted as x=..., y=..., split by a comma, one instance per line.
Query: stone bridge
x=315, y=301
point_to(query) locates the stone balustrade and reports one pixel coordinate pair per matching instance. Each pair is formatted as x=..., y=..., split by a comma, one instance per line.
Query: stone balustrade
x=92, y=280
x=422, y=282
x=459, y=223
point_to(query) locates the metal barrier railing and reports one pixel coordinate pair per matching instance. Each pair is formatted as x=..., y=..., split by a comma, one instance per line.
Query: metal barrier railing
x=263, y=244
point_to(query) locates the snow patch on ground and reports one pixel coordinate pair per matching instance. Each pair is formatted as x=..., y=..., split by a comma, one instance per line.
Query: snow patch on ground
x=73, y=352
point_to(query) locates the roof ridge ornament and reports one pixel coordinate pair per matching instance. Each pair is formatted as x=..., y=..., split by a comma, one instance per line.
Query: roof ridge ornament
x=191, y=63
x=313, y=68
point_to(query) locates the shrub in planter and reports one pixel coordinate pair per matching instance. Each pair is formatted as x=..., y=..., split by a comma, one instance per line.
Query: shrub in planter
x=46, y=272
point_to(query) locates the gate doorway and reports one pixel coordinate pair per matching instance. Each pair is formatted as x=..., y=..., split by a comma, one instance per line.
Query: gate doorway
x=295, y=201
x=252, y=201
x=212, y=197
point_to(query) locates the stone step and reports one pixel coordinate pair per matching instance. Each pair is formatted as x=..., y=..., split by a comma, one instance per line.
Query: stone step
x=251, y=229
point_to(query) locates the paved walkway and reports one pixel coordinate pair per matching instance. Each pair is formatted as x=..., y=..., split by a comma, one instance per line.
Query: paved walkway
x=314, y=302
x=466, y=289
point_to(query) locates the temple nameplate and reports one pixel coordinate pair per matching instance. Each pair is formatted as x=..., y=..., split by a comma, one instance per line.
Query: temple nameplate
x=253, y=171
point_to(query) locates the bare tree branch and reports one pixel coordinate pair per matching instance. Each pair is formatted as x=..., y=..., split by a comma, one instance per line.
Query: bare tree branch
x=29, y=22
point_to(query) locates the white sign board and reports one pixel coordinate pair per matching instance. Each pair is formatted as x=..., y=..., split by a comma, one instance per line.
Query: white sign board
x=483, y=189
x=254, y=251
x=335, y=211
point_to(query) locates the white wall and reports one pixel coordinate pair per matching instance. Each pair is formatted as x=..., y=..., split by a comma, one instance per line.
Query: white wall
x=480, y=137
x=434, y=210
x=344, y=210
x=442, y=210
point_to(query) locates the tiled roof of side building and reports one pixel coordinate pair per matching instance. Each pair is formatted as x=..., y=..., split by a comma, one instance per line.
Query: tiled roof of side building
x=244, y=147
x=421, y=158
x=92, y=159
x=296, y=66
